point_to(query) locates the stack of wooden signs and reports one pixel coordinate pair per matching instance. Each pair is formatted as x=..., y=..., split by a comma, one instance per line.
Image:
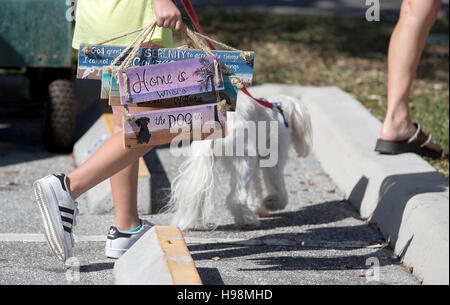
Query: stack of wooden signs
x=171, y=94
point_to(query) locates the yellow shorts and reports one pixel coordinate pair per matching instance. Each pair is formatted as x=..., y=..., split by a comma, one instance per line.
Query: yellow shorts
x=100, y=20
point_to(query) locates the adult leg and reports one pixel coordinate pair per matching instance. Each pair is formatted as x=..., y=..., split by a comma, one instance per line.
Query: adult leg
x=405, y=49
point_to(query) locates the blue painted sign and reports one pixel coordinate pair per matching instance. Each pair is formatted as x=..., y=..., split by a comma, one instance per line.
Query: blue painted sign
x=90, y=66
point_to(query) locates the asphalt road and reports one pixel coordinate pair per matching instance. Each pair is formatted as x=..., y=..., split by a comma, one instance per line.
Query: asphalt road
x=318, y=239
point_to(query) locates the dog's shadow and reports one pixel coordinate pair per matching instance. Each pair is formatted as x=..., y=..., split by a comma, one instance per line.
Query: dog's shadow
x=326, y=212
x=271, y=248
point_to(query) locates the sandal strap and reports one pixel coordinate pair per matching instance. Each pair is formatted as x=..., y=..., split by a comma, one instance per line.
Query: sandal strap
x=414, y=137
x=426, y=142
x=420, y=138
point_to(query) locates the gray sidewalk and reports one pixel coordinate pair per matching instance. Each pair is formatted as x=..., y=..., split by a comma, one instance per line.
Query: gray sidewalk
x=318, y=239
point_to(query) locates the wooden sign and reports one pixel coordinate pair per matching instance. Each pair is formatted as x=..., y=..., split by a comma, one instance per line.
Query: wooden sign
x=163, y=126
x=111, y=91
x=90, y=66
x=168, y=80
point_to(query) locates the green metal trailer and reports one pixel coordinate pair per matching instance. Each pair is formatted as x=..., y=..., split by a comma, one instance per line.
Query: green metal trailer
x=35, y=37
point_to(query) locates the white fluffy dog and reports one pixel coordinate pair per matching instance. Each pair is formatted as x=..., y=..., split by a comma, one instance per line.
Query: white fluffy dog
x=191, y=202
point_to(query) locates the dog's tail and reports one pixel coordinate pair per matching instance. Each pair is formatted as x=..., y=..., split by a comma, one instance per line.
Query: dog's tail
x=191, y=201
x=300, y=121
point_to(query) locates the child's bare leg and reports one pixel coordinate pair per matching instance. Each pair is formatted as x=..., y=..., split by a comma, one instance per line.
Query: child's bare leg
x=107, y=161
x=113, y=161
x=124, y=185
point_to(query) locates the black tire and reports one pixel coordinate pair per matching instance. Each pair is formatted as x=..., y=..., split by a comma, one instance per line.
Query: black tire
x=60, y=116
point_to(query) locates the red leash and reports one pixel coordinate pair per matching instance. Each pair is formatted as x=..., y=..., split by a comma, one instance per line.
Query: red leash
x=190, y=10
x=259, y=101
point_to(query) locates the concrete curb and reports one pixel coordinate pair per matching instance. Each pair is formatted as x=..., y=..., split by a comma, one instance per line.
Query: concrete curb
x=405, y=196
x=160, y=257
x=99, y=199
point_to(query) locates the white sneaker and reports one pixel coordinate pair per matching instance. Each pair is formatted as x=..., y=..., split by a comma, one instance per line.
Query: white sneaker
x=58, y=211
x=118, y=242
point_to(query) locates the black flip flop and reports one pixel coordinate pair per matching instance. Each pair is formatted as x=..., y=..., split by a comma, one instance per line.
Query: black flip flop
x=416, y=144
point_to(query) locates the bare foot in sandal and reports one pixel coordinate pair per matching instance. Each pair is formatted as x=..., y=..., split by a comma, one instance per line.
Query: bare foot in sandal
x=415, y=141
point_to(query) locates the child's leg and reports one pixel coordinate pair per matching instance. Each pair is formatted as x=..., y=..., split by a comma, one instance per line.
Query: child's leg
x=113, y=161
x=124, y=185
x=121, y=165
x=107, y=161
x=124, y=191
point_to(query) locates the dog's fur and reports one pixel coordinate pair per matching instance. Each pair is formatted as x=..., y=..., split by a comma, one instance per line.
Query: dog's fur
x=191, y=200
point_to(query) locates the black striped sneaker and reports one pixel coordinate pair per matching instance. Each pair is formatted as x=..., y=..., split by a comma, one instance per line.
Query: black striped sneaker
x=118, y=242
x=58, y=211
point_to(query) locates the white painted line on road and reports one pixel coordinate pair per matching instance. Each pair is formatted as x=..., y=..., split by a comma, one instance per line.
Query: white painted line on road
x=30, y=237
x=26, y=237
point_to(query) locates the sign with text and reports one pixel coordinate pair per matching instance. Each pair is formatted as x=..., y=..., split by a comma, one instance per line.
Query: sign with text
x=111, y=91
x=90, y=66
x=169, y=80
x=180, y=124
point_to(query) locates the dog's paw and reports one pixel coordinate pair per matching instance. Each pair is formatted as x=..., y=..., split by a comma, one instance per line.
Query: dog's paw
x=248, y=225
x=261, y=212
x=274, y=203
x=245, y=227
x=202, y=226
x=247, y=220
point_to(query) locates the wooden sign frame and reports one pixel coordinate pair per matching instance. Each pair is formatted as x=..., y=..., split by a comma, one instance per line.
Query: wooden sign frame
x=111, y=91
x=162, y=126
x=170, y=80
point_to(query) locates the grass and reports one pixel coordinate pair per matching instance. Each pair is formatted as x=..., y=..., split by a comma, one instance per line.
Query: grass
x=343, y=52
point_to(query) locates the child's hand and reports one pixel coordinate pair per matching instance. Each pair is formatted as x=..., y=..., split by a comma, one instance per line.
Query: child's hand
x=167, y=15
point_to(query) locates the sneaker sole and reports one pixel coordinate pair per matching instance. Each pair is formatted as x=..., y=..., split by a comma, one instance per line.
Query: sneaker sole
x=52, y=234
x=113, y=253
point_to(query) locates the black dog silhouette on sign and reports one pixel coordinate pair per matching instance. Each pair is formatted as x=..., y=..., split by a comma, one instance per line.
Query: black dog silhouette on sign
x=144, y=135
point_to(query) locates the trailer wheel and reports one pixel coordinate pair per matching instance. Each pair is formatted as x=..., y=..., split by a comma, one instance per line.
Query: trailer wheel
x=60, y=116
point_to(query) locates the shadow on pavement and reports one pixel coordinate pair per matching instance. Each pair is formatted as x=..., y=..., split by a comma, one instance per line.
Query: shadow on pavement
x=399, y=189
x=210, y=276
x=322, y=213
x=96, y=267
x=275, y=255
x=326, y=239
x=160, y=183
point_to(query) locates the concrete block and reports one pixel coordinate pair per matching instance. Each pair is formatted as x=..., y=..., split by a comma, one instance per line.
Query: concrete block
x=160, y=257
